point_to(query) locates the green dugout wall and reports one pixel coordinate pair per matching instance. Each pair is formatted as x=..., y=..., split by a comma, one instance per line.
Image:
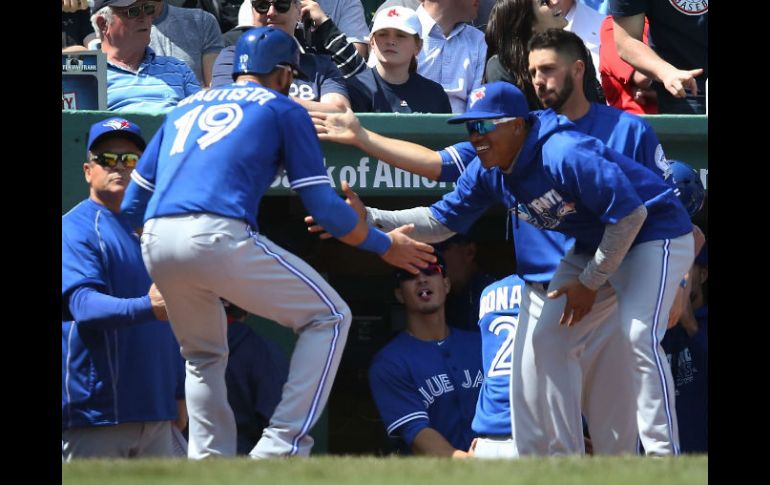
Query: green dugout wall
x=683, y=137
x=351, y=423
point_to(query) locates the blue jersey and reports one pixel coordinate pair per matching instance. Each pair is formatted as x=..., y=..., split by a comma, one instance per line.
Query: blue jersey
x=188, y=171
x=122, y=374
x=498, y=318
x=688, y=357
x=569, y=182
x=418, y=384
x=538, y=252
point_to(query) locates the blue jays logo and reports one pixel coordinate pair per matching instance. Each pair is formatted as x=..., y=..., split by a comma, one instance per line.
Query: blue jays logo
x=117, y=124
x=477, y=95
x=546, y=211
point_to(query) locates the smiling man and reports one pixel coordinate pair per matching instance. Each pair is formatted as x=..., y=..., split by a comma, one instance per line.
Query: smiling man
x=426, y=380
x=137, y=79
x=633, y=242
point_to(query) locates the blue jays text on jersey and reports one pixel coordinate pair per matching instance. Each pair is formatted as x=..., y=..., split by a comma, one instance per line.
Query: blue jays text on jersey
x=418, y=384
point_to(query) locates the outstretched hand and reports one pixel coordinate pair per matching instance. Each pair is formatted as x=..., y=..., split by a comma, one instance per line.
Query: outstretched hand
x=352, y=199
x=677, y=80
x=337, y=127
x=580, y=300
x=406, y=253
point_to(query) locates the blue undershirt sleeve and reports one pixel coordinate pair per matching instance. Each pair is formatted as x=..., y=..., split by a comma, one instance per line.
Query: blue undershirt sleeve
x=328, y=209
x=95, y=310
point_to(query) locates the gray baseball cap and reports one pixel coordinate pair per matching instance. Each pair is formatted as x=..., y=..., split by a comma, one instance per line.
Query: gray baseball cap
x=100, y=4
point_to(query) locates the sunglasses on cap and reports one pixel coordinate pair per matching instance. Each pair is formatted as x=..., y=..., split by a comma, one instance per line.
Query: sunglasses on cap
x=482, y=127
x=111, y=159
x=430, y=270
x=262, y=6
x=134, y=10
x=288, y=68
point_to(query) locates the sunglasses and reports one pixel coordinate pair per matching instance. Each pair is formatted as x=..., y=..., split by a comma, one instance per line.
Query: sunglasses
x=110, y=159
x=482, y=127
x=430, y=270
x=262, y=6
x=288, y=68
x=135, y=10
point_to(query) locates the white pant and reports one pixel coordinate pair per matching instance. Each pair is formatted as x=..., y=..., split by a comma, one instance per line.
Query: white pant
x=494, y=448
x=125, y=440
x=609, y=364
x=195, y=259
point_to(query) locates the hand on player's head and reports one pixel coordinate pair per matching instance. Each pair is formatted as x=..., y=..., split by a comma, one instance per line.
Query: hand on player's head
x=406, y=253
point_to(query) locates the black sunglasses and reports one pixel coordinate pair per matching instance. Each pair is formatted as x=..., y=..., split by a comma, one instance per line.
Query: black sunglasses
x=135, y=10
x=111, y=159
x=262, y=6
x=430, y=270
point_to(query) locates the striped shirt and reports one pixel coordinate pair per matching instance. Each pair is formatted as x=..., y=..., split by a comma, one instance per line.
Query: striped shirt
x=157, y=86
x=456, y=62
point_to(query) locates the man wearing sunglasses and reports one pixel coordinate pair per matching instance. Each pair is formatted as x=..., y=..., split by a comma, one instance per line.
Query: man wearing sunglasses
x=189, y=34
x=561, y=180
x=323, y=90
x=426, y=380
x=122, y=374
x=137, y=78
x=197, y=190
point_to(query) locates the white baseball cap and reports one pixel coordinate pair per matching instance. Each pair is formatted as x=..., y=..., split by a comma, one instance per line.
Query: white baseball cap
x=400, y=18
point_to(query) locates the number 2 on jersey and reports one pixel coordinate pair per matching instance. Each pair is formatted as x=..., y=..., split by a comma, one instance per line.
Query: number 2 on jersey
x=216, y=122
x=501, y=364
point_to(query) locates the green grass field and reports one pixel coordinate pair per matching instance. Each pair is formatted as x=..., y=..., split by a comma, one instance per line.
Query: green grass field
x=344, y=470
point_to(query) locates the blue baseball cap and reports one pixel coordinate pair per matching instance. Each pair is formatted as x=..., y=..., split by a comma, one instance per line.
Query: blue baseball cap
x=439, y=266
x=261, y=49
x=115, y=127
x=499, y=99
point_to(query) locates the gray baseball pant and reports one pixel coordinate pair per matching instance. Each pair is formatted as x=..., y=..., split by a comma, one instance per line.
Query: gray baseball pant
x=197, y=258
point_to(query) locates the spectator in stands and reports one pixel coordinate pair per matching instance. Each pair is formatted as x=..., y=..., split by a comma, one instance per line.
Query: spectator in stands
x=453, y=52
x=480, y=22
x=512, y=24
x=189, y=34
x=678, y=62
x=426, y=380
x=348, y=16
x=137, y=78
x=76, y=28
x=625, y=87
x=256, y=371
x=468, y=281
x=586, y=23
x=393, y=85
x=327, y=38
x=324, y=91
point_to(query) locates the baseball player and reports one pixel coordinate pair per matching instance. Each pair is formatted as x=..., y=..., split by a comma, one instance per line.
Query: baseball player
x=198, y=188
x=122, y=375
x=425, y=382
x=608, y=205
x=498, y=317
x=557, y=61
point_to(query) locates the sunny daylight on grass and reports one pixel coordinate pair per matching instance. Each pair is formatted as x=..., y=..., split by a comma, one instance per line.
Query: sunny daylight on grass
x=343, y=470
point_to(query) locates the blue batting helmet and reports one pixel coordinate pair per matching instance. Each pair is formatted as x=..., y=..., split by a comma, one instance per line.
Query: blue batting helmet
x=261, y=49
x=689, y=187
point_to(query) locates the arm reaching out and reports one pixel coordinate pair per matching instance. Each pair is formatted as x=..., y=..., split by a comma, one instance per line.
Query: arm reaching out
x=628, y=40
x=345, y=128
